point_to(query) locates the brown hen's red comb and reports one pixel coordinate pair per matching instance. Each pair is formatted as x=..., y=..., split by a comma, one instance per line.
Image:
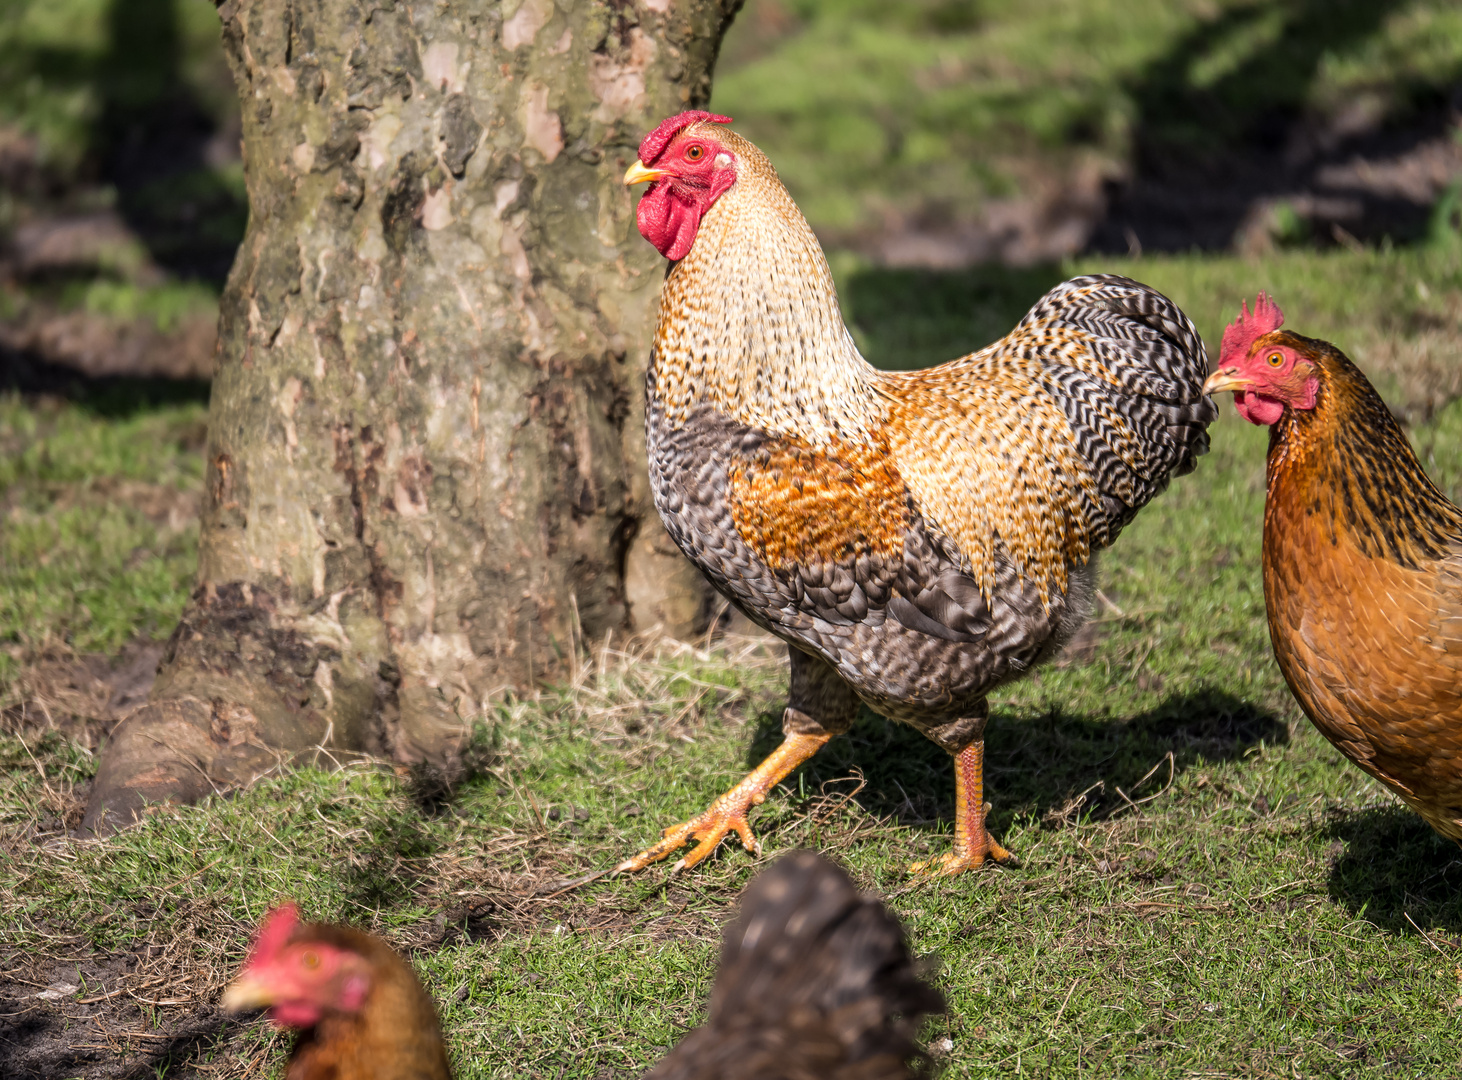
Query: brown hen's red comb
x=1246, y=329
x=657, y=140
x=274, y=934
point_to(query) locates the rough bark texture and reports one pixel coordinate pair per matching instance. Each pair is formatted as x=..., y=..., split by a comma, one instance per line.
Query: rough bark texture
x=426, y=463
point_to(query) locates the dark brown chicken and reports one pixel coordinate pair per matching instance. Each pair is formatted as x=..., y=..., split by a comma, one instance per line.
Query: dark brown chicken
x=361, y=1011
x=917, y=538
x=1362, y=564
x=816, y=983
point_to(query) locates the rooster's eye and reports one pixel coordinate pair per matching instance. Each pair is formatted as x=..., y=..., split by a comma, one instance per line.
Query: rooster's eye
x=694, y=153
x=310, y=960
x=1276, y=359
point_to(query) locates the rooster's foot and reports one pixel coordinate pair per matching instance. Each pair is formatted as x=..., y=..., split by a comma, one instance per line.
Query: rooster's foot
x=957, y=862
x=710, y=828
x=973, y=843
x=728, y=813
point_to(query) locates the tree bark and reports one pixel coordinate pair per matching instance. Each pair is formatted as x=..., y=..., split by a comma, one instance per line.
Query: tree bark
x=426, y=474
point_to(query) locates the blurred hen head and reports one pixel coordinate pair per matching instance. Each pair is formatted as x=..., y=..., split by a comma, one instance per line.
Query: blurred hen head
x=688, y=169
x=1266, y=369
x=298, y=979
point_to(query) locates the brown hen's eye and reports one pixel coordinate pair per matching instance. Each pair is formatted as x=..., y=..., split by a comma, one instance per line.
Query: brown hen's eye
x=310, y=960
x=1276, y=359
x=694, y=153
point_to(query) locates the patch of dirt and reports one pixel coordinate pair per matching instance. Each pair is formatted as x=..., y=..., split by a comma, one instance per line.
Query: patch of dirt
x=65, y=246
x=54, y=1031
x=1324, y=181
x=68, y=1009
x=97, y=346
x=80, y=695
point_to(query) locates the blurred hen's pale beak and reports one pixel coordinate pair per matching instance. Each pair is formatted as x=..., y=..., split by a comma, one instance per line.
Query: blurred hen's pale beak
x=1224, y=380
x=639, y=174
x=245, y=993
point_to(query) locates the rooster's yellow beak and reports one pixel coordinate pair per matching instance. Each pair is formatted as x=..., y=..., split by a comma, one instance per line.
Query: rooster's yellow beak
x=1225, y=380
x=639, y=174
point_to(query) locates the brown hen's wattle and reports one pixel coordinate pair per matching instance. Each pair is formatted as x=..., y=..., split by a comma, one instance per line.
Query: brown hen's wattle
x=917, y=538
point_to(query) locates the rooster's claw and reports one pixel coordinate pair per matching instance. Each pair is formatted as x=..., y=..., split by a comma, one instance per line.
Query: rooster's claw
x=710, y=828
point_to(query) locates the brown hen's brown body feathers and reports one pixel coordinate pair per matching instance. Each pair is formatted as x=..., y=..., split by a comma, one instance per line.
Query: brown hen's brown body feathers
x=1363, y=585
x=921, y=537
x=816, y=983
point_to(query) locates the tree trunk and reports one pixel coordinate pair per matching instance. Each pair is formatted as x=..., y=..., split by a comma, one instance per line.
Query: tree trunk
x=426, y=473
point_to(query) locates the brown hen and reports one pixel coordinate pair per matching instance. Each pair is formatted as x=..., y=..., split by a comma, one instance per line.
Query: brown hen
x=1362, y=564
x=917, y=538
x=361, y=1012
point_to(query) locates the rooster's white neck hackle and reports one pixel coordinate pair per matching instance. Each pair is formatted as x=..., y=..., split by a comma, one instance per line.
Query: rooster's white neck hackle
x=749, y=319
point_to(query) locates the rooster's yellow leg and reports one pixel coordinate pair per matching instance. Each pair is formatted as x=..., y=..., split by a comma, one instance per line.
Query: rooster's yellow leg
x=972, y=841
x=728, y=812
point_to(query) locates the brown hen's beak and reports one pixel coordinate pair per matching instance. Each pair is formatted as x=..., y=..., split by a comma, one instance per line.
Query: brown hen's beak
x=1225, y=380
x=245, y=993
x=639, y=174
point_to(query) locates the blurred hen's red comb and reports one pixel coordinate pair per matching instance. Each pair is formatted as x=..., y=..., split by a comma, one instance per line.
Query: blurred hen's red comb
x=274, y=933
x=1246, y=329
x=657, y=140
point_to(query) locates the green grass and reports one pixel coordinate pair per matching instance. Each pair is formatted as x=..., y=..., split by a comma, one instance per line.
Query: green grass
x=933, y=106
x=1207, y=887
x=98, y=530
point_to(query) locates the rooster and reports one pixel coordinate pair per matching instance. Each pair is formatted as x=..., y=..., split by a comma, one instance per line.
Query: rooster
x=917, y=538
x=1362, y=563
x=815, y=982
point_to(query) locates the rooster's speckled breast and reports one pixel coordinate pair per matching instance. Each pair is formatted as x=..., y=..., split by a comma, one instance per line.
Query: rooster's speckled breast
x=826, y=549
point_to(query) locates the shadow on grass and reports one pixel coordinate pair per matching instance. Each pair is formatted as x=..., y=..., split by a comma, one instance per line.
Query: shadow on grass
x=1037, y=767
x=1394, y=866
x=391, y=863
x=114, y=397
x=1210, y=151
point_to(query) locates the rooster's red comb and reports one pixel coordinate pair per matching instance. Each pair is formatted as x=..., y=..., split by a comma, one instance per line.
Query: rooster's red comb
x=274, y=933
x=1246, y=329
x=657, y=140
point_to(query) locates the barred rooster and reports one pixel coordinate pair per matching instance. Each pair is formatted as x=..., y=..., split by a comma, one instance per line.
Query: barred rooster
x=917, y=538
x=1362, y=563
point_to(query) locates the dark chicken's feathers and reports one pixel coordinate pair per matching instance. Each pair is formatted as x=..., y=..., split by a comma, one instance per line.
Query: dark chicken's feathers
x=816, y=983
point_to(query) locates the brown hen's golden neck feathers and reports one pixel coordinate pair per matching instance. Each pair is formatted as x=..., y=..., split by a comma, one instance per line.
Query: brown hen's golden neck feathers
x=758, y=333
x=1350, y=453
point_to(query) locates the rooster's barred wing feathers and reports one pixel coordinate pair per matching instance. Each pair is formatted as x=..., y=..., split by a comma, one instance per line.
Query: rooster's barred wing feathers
x=1041, y=447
